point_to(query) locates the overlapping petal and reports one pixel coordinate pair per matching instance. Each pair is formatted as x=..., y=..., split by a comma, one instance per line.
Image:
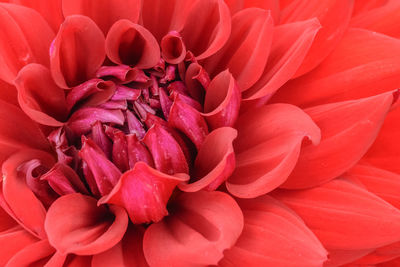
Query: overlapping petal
x=271, y=5
x=36, y=254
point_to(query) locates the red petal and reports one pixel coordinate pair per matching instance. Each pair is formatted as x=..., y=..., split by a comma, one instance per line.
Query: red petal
x=163, y=16
x=273, y=235
x=342, y=257
x=103, y=12
x=127, y=253
x=39, y=97
x=268, y=147
x=215, y=161
x=201, y=227
x=77, y=51
x=222, y=101
x=361, y=6
x=384, y=153
x=364, y=63
x=8, y=93
x=392, y=263
x=137, y=151
x=287, y=53
x=246, y=52
x=345, y=216
x=32, y=255
x=50, y=10
x=189, y=121
x=207, y=28
x=105, y=173
x=348, y=129
x=6, y=222
x=144, y=193
x=74, y=224
x=131, y=44
x=13, y=241
x=17, y=193
x=380, y=255
x=19, y=45
x=382, y=19
x=167, y=154
x=172, y=47
x=334, y=17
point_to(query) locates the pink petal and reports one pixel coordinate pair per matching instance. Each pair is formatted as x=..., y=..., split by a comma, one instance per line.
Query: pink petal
x=19, y=45
x=127, y=253
x=201, y=227
x=39, y=97
x=131, y=44
x=273, y=235
x=207, y=28
x=119, y=148
x=32, y=255
x=215, y=161
x=124, y=74
x=101, y=139
x=167, y=154
x=17, y=194
x=137, y=151
x=287, y=53
x=246, y=52
x=363, y=64
x=172, y=47
x=77, y=51
x=105, y=173
x=222, y=101
x=345, y=216
x=334, y=17
x=268, y=147
x=74, y=224
x=189, y=121
x=348, y=129
x=144, y=193
x=103, y=12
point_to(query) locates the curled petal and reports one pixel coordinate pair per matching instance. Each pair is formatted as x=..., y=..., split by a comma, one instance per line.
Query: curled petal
x=39, y=97
x=193, y=82
x=36, y=253
x=247, y=50
x=19, y=45
x=201, y=227
x=268, y=147
x=172, y=47
x=17, y=194
x=124, y=74
x=144, y=193
x=343, y=77
x=215, y=161
x=351, y=130
x=287, y=53
x=167, y=154
x=189, y=121
x=334, y=17
x=207, y=28
x=77, y=51
x=103, y=12
x=222, y=101
x=268, y=225
x=137, y=151
x=345, y=216
x=128, y=252
x=131, y=44
x=163, y=16
x=75, y=224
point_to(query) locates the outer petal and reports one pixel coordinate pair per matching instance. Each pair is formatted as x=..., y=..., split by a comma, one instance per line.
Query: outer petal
x=131, y=44
x=39, y=97
x=144, y=193
x=363, y=64
x=215, y=161
x=268, y=147
x=273, y=235
x=35, y=254
x=348, y=129
x=246, y=52
x=272, y=5
x=103, y=12
x=127, y=253
x=207, y=28
x=287, y=53
x=8, y=93
x=342, y=257
x=202, y=226
x=6, y=221
x=334, y=17
x=19, y=45
x=50, y=10
x=77, y=51
x=74, y=224
x=345, y=216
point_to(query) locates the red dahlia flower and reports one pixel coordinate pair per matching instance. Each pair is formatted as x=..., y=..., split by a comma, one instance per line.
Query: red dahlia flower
x=198, y=133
